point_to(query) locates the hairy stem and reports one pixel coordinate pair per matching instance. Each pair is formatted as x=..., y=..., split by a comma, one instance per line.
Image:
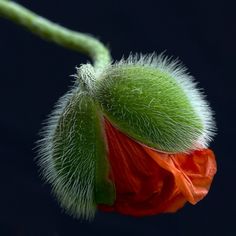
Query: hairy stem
x=55, y=33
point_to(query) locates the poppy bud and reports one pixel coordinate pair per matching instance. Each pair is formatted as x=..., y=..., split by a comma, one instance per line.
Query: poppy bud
x=155, y=101
x=103, y=145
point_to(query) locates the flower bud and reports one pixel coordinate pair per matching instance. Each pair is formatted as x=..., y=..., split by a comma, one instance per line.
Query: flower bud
x=155, y=101
x=103, y=145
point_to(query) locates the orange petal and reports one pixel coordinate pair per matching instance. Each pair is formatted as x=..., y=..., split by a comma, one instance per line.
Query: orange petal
x=148, y=182
x=193, y=172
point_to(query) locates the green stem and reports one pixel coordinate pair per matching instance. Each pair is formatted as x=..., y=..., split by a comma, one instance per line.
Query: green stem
x=55, y=33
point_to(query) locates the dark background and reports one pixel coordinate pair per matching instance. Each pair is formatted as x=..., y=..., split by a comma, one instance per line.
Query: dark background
x=34, y=74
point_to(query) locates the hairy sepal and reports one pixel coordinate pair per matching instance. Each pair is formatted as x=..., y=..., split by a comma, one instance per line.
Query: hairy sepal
x=156, y=102
x=72, y=155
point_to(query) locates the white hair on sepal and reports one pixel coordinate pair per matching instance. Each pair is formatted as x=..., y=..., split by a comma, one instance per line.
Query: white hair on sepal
x=181, y=75
x=86, y=75
x=70, y=196
x=46, y=133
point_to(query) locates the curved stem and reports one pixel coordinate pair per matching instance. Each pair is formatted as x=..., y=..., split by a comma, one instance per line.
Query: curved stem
x=55, y=33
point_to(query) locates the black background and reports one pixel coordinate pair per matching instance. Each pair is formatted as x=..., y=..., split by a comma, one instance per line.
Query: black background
x=35, y=73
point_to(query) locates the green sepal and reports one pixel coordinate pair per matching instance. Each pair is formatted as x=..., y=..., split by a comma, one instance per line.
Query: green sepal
x=74, y=155
x=149, y=105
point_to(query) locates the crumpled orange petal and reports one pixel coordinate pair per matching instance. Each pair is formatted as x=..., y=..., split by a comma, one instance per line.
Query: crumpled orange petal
x=149, y=182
